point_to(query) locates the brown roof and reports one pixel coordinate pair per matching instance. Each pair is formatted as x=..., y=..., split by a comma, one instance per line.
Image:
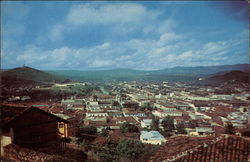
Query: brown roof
x=11, y=113
x=223, y=109
x=177, y=145
x=234, y=149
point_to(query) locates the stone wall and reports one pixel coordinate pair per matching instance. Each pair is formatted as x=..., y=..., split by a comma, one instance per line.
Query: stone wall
x=5, y=140
x=18, y=153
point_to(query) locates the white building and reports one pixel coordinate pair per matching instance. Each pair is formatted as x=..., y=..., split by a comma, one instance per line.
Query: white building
x=92, y=114
x=152, y=137
x=204, y=130
x=164, y=107
x=146, y=123
x=162, y=114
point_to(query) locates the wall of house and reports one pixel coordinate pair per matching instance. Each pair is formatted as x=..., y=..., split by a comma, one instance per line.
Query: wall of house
x=63, y=129
x=35, y=129
x=36, y=135
x=153, y=142
x=5, y=140
x=18, y=153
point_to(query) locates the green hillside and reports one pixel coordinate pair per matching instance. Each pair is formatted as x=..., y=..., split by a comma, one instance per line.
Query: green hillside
x=171, y=74
x=235, y=76
x=18, y=75
x=27, y=74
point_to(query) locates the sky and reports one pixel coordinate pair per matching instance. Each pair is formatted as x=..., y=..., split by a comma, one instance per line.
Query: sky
x=150, y=35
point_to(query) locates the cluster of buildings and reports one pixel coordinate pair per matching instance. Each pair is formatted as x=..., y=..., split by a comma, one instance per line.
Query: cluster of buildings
x=200, y=110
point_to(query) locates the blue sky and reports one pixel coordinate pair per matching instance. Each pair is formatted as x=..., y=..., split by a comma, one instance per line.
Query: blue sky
x=138, y=35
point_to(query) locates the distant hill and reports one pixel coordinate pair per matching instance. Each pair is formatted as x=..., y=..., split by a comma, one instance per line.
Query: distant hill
x=232, y=76
x=30, y=75
x=171, y=74
x=101, y=75
x=27, y=75
x=205, y=70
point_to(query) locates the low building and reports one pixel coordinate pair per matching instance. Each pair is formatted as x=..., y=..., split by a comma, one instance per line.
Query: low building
x=29, y=127
x=93, y=114
x=162, y=114
x=128, y=112
x=165, y=106
x=152, y=137
x=146, y=123
x=204, y=131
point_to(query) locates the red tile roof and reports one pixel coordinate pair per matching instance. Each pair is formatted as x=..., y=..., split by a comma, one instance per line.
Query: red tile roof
x=177, y=145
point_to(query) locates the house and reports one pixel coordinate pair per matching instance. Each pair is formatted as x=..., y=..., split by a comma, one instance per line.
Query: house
x=165, y=106
x=152, y=137
x=146, y=123
x=130, y=112
x=162, y=114
x=204, y=130
x=198, y=115
x=93, y=114
x=105, y=104
x=63, y=128
x=92, y=105
x=114, y=113
x=72, y=102
x=130, y=104
x=29, y=127
x=105, y=97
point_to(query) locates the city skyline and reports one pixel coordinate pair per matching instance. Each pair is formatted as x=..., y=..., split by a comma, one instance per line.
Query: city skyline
x=135, y=35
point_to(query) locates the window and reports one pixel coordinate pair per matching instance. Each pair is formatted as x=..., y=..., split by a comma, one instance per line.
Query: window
x=61, y=125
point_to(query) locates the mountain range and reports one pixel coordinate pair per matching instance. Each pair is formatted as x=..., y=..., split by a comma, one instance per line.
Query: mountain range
x=235, y=76
x=209, y=73
x=171, y=74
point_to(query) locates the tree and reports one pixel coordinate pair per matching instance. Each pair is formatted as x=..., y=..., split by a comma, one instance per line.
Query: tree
x=229, y=129
x=107, y=152
x=130, y=149
x=150, y=107
x=105, y=131
x=127, y=127
x=181, y=128
x=168, y=125
x=115, y=103
x=142, y=108
x=86, y=130
x=95, y=98
x=155, y=123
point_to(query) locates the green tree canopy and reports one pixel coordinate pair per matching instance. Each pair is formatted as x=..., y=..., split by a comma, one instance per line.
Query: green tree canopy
x=115, y=103
x=130, y=149
x=181, y=128
x=105, y=131
x=229, y=129
x=127, y=127
x=87, y=130
x=155, y=123
x=168, y=125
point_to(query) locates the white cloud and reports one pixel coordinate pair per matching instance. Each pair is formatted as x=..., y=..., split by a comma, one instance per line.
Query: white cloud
x=56, y=33
x=109, y=13
x=214, y=47
x=167, y=25
x=101, y=63
x=169, y=50
x=168, y=38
